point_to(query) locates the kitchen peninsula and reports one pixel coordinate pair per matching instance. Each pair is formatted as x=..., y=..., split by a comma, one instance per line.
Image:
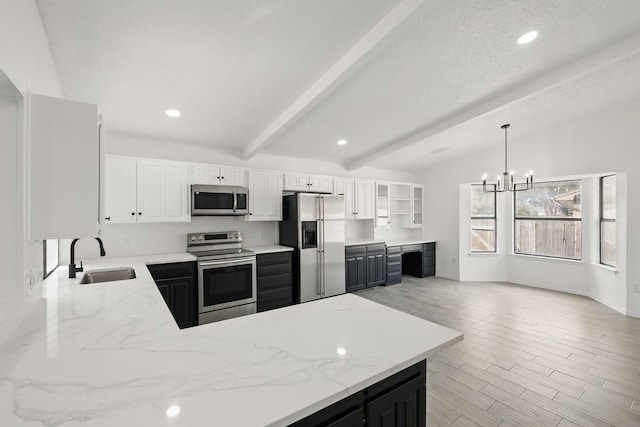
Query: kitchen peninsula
x=108, y=354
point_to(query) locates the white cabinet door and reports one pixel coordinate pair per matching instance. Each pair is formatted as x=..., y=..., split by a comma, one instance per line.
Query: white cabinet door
x=364, y=199
x=265, y=196
x=321, y=184
x=206, y=174
x=345, y=187
x=217, y=175
x=120, y=189
x=416, y=206
x=150, y=191
x=232, y=176
x=296, y=182
x=176, y=193
x=383, y=209
x=64, y=168
x=162, y=191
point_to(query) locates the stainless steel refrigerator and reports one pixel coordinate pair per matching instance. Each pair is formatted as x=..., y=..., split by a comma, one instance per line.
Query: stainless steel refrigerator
x=313, y=224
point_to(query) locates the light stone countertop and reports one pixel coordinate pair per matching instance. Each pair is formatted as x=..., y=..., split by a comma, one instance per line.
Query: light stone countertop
x=269, y=249
x=408, y=242
x=110, y=354
x=355, y=242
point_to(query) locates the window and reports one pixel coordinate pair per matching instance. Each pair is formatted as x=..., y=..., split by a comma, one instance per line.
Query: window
x=50, y=256
x=483, y=220
x=608, y=220
x=548, y=220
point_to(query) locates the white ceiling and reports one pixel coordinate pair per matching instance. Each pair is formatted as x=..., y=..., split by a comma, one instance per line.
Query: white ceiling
x=397, y=79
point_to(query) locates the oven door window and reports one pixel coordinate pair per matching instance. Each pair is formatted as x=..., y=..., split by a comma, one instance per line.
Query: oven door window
x=213, y=201
x=227, y=284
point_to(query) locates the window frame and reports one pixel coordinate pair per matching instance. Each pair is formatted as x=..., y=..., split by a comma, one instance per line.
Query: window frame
x=495, y=222
x=44, y=259
x=604, y=220
x=516, y=218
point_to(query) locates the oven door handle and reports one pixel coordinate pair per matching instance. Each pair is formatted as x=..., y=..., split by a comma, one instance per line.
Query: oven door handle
x=226, y=263
x=235, y=201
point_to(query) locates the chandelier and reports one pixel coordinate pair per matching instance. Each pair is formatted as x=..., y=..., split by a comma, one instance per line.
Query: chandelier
x=506, y=182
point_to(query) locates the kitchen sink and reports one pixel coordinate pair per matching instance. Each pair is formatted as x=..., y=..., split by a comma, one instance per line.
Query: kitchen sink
x=108, y=275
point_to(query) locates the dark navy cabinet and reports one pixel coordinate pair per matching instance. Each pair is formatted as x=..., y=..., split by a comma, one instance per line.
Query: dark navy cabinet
x=355, y=267
x=376, y=264
x=397, y=401
x=177, y=285
x=394, y=265
x=275, y=280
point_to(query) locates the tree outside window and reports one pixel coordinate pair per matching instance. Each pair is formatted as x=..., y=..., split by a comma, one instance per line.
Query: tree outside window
x=548, y=220
x=483, y=220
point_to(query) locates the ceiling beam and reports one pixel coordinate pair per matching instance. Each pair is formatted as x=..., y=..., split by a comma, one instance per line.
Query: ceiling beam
x=405, y=13
x=572, y=70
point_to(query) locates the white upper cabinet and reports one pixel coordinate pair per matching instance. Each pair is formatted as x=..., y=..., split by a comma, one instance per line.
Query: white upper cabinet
x=145, y=190
x=359, y=197
x=64, y=168
x=344, y=186
x=364, y=197
x=383, y=212
x=416, y=206
x=217, y=175
x=120, y=190
x=265, y=196
x=309, y=183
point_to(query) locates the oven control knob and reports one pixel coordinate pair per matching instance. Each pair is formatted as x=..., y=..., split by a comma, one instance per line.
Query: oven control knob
x=192, y=238
x=200, y=238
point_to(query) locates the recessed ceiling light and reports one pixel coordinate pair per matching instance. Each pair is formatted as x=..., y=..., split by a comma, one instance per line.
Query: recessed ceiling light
x=342, y=142
x=172, y=113
x=528, y=37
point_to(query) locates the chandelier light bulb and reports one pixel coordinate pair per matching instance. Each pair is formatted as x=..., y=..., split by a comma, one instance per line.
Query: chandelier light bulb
x=509, y=183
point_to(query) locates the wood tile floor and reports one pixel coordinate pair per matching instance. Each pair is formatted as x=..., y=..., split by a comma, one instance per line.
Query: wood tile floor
x=530, y=357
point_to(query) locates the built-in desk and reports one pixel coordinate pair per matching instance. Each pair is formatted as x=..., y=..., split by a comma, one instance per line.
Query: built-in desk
x=412, y=258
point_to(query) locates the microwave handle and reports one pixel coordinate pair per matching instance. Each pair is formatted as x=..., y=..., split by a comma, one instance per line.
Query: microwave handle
x=235, y=201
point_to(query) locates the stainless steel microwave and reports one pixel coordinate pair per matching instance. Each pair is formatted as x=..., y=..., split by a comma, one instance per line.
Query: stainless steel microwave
x=219, y=200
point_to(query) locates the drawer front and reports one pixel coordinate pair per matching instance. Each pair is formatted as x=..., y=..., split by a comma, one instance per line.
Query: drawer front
x=352, y=251
x=430, y=248
x=273, y=269
x=172, y=270
x=378, y=247
x=274, y=258
x=274, y=299
x=413, y=248
x=429, y=260
x=394, y=250
x=394, y=267
x=393, y=279
x=277, y=281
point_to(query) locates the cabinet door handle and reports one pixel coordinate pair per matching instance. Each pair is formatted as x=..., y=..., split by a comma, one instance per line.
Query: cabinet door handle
x=108, y=218
x=222, y=177
x=217, y=177
x=139, y=213
x=133, y=213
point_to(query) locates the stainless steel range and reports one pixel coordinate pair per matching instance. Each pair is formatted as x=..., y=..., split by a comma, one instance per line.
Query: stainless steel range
x=226, y=275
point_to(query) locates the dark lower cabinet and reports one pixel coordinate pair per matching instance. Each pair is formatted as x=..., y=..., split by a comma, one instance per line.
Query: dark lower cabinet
x=275, y=280
x=355, y=268
x=404, y=406
x=419, y=260
x=177, y=285
x=394, y=265
x=365, y=266
x=397, y=401
x=376, y=264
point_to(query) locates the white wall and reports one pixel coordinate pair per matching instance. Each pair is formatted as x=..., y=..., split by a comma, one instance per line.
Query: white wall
x=601, y=143
x=26, y=60
x=9, y=259
x=25, y=56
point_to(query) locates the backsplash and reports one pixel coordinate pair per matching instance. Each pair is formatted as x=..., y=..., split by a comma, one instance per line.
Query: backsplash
x=158, y=238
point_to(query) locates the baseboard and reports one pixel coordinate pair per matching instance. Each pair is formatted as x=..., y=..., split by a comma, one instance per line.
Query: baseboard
x=551, y=288
x=632, y=314
x=610, y=305
x=447, y=276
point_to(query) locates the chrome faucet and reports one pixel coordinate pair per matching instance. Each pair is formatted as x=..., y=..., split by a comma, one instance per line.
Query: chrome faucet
x=72, y=266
